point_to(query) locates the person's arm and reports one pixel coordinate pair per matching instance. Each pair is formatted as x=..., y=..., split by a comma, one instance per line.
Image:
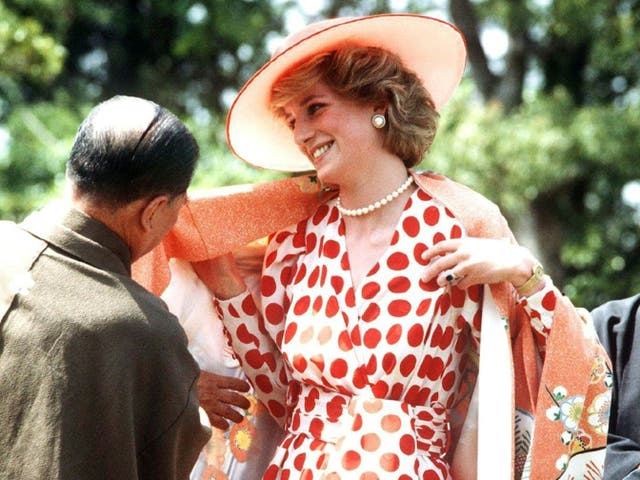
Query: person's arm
x=253, y=339
x=466, y=262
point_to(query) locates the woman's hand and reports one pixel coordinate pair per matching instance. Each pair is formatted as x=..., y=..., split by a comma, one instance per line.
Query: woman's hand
x=471, y=261
x=219, y=395
x=221, y=276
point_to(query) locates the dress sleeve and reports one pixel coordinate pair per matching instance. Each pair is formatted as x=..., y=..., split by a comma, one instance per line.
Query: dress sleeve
x=539, y=309
x=256, y=333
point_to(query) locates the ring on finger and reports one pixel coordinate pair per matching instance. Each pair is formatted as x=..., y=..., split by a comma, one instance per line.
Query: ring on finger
x=452, y=278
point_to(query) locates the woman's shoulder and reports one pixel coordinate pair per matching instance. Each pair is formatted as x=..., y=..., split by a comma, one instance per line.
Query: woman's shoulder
x=479, y=215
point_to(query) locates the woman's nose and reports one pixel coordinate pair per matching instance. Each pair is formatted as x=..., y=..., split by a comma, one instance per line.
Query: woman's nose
x=302, y=132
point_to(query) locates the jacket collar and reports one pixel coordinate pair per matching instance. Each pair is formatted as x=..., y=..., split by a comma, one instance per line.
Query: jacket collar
x=80, y=236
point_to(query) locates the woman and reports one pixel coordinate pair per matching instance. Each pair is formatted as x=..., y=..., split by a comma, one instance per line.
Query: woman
x=365, y=342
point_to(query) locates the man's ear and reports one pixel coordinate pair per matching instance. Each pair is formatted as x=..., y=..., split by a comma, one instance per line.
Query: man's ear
x=150, y=210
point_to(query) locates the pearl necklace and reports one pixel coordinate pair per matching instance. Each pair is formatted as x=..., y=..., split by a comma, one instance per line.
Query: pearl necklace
x=375, y=205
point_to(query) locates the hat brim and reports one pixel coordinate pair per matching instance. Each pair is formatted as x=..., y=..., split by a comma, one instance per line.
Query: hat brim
x=434, y=49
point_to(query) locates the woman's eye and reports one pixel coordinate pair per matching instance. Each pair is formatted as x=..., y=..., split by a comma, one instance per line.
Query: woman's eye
x=314, y=107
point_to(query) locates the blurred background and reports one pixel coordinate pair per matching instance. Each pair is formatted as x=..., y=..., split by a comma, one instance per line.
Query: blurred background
x=546, y=122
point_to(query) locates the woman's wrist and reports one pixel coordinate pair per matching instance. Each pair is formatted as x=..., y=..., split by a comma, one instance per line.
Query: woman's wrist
x=532, y=281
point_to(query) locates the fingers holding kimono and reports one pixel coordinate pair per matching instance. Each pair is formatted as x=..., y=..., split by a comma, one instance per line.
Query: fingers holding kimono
x=221, y=397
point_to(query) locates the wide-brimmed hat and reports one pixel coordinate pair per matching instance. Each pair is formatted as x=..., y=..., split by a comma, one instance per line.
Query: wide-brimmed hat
x=432, y=48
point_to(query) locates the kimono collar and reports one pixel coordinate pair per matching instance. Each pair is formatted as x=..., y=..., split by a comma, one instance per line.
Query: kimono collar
x=80, y=236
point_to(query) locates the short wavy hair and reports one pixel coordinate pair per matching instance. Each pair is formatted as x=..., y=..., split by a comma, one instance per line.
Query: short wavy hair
x=370, y=75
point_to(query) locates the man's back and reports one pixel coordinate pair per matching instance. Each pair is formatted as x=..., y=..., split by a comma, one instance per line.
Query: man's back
x=95, y=377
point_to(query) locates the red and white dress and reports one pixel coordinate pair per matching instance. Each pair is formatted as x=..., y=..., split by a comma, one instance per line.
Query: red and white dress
x=364, y=379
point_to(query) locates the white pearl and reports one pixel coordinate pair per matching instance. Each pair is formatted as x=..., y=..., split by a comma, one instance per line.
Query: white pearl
x=376, y=205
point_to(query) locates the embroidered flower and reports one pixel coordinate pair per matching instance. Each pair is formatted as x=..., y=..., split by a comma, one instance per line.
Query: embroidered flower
x=562, y=462
x=571, y=411
x=553, y=413
x=240, y=438
x=598, y=413
x=581, y=441
x=598, y=370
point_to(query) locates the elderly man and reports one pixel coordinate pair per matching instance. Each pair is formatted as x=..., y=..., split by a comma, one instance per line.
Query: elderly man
x=95, y=377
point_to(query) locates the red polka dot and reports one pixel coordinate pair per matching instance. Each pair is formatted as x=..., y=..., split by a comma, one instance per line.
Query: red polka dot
x=302, y=305
x=290, y=331
x=331, y=249
x=337, y=283
x=380, y=389
x=456, y=232
x=399, y=284
x=549, y=301
x=415, y=335
x=263, y=383
x=448, y=380
x=407, y=365
x=298, y=462
x=423, y=306
x=398, y=261
x=302, y=272
x=411, y=226
x=274, y=314
x=371, y=313
x=355, y=336
x=344, y=341
x=396, y=391
x=268, y=286
x=320, y=213
x=389, y=462
x=394, y=238
x=338, y=368
x=447, y=338
x=431, y=215
x=436, y=366
x=407, y=444
x=372, y=337
x=268, y=261
x=394, y=334
x=248, y=306
x=399, y=308
x=390, y=423
x=332, y=307
x=299, y=363
x=315, y=427
x=312, y=239
x=351, y=460
x=370, y=290
x=313, y=277
x=418, y=250
x=243, y=334
x=317, y=304
x=370, y=442
x=438, y=237
x=388, y=362
x=458, y=297
x=372, y=364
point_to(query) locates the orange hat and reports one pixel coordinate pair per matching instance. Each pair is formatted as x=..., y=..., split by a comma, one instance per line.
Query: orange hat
x=434, y=49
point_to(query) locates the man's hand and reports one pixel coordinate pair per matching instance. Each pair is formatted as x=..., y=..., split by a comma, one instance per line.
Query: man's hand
x=218, y=395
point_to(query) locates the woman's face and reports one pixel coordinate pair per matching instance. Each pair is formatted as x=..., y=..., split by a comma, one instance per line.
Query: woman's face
x=334, y=132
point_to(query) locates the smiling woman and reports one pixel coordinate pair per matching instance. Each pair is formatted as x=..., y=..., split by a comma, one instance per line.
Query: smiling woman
x=372, y=312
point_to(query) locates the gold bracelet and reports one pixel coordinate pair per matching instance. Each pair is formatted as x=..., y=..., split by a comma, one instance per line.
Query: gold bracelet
x=527, y=287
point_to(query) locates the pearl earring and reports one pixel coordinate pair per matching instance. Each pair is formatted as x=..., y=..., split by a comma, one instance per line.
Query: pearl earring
x=378, y=120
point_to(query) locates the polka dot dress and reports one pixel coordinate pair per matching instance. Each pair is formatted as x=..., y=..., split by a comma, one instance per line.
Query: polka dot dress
x=364, y=378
